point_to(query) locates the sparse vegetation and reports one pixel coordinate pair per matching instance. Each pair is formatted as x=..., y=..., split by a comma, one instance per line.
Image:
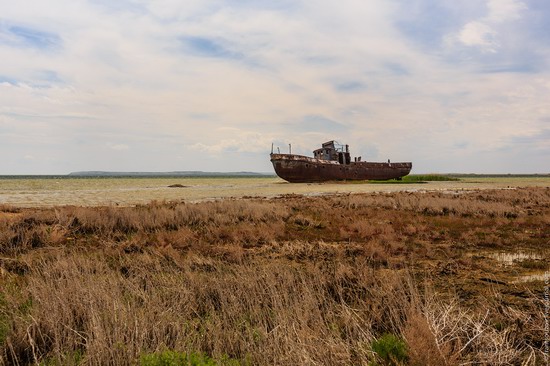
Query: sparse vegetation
x=417, y=178
x=390, y=350
x=344, y=279
x=429, y=178
x=172, y=358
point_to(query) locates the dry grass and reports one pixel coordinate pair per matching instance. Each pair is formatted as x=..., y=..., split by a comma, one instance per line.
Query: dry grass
x=292, y=280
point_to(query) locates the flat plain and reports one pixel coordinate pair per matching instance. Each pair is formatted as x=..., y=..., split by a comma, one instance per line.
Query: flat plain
x=48, y=192
x=255, y=271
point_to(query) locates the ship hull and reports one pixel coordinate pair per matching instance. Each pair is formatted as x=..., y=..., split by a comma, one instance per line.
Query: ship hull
x=303, y=169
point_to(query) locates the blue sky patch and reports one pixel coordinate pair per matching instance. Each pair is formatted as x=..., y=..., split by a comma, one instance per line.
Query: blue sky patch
x=396, y=69
x=425, y=23
x=7, y=79
x=38, y=79
x=350, y=86
x=206, y=47
x=48, y=76
x=537, y=22
x=509, y=68
x=33, y=38
x=121, y=6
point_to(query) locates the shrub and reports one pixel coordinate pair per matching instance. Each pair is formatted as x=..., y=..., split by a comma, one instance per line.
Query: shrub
x=429, y=178
x=71, y=358
x=173, y=358
x=4, y=320
x=390, y=349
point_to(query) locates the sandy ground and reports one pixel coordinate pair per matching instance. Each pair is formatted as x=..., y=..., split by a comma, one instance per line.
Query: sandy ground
x=132, y=191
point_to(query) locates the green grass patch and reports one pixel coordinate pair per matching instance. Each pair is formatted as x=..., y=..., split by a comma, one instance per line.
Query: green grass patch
x=70, y=358
x=4, y=320
x=429, y=178
x=390, y=350
x=417, y=178
x=173, y=358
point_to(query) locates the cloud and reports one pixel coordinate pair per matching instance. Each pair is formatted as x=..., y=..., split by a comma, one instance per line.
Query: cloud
x=483, y=33
x=478, y=34
x=539, y=138
x=504, y=10
x=50, y=76
x=438, y=83
x=497, y=37
x=119, y=147
x=238, y=142
x=120, y=6
x=317, y=123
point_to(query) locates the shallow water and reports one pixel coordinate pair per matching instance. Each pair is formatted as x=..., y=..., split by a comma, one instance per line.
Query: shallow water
x=541, y=276
x=52, y=191
x=509, y=259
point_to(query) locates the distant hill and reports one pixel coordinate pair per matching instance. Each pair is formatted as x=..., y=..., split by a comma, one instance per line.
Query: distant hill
x=168, y=174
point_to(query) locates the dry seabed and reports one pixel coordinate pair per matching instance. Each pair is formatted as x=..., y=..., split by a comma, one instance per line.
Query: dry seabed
x=413, y=278
x=133, y=191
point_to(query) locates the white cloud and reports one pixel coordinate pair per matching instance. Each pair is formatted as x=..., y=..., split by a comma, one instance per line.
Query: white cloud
x=119, y=147
x=483, y=32
x=238, y=141
x=478, y=34
x=126, y=75
x=504, y=10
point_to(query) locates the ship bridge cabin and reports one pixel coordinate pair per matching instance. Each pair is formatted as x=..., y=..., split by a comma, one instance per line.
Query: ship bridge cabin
x=333, y=151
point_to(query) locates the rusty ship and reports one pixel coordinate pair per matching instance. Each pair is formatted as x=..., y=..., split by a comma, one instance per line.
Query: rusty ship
x=333, y=162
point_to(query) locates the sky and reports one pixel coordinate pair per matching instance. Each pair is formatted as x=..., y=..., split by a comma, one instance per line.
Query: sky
x=171, y=85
